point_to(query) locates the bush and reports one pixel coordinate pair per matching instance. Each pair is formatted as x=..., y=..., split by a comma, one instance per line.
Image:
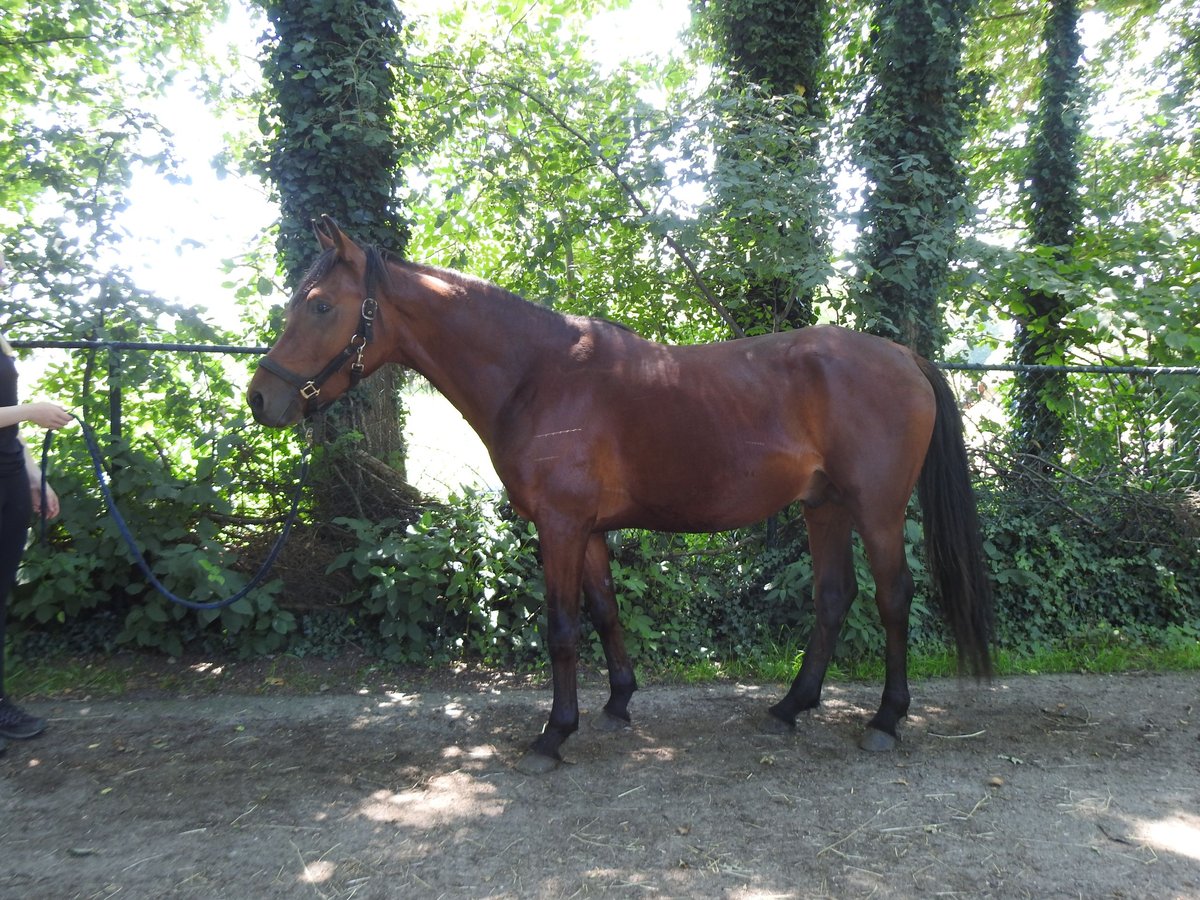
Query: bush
x=464, y=581
x=461, y=580
x=83, y=570
x=1064, y=565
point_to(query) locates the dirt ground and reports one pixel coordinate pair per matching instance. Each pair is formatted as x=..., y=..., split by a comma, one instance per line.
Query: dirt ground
x=1052, y=786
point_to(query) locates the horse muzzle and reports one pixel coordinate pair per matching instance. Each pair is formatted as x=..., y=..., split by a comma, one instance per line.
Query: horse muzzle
x=276, y=408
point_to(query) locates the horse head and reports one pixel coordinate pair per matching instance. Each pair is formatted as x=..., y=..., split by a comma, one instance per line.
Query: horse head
x=328, y=329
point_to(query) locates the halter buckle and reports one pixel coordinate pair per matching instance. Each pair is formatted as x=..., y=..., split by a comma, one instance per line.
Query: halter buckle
x=309, y=391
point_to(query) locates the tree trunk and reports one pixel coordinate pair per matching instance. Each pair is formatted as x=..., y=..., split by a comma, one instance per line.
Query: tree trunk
x=1054, y=213
x=335, y=69
x=909, y=143
x=773, y=49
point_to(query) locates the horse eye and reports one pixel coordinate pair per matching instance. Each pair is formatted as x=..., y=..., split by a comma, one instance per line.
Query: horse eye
x=321, y=307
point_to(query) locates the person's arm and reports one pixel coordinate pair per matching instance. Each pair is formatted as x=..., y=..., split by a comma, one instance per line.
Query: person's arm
x=47, y=415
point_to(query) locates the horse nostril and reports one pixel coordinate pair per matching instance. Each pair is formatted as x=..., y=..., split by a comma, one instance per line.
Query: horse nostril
x=256, y=401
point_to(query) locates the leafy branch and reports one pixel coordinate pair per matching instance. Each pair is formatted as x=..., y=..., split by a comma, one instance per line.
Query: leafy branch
x=628, y=189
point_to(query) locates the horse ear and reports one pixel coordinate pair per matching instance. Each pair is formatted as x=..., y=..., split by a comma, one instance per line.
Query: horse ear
x=327, y=231
x=331, y=237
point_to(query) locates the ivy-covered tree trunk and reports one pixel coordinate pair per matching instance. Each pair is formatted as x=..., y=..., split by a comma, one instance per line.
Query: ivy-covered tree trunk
x=775, y=52
x=1052, y=196
x=334, y=69
x=908, y=143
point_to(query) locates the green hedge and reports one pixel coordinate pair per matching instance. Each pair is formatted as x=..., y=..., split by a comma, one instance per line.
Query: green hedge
x=464, y=582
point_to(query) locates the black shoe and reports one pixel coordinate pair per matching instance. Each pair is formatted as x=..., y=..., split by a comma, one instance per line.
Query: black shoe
x=17, y=724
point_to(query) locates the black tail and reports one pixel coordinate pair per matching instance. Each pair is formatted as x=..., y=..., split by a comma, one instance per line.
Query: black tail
x=953, y=546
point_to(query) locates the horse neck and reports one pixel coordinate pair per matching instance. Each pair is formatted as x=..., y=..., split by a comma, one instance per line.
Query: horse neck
x=473, y=341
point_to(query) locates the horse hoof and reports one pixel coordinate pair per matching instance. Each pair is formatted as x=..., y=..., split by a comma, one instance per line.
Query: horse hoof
x=606, y=721
x=770, y=724
x=533, y=763
x=877, y=741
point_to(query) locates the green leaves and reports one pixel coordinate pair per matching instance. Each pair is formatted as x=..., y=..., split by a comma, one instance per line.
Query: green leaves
x=77, y=80
x=458, y=579
x=908, y=143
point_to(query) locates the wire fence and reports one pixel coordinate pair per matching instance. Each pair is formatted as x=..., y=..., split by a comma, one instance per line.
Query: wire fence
x=1137, y=425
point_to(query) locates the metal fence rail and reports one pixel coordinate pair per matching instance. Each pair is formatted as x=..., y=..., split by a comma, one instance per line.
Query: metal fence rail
x=1138, y=424
x=111, y=346
x=113, y=351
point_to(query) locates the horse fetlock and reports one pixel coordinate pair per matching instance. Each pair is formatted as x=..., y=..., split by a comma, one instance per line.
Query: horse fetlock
x=622, y=685
x=548, y=742
x=894, y=705
x=773, y=724
x=780, y=718
x=619, y=696
x=608, y=720
x=618, y=706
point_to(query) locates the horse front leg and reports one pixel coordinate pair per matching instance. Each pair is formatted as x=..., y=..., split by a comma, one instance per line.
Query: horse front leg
x=562, y=561
x=601, y=603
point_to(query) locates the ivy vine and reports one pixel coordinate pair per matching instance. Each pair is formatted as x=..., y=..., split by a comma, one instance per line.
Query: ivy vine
x=908, y=143
x=334, y=69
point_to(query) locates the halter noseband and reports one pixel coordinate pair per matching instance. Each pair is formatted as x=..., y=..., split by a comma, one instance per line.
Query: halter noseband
x=310, y=388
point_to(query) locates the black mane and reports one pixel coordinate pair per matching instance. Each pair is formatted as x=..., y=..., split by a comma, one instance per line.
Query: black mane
x=377, y=274
x=318, y=270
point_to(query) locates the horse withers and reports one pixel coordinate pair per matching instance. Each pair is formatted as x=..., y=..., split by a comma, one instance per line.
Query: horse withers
x=591, y=428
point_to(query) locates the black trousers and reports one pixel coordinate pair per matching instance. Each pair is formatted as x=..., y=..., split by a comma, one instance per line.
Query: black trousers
x=16, y=507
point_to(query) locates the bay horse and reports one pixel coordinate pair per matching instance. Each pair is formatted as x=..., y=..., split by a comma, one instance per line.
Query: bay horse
x=591, y=428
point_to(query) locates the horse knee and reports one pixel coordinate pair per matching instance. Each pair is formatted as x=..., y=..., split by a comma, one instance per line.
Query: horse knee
x=832, y=600
x=562, y=635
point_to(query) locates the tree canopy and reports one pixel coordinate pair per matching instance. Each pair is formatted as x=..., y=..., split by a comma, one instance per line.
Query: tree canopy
x=608, y=185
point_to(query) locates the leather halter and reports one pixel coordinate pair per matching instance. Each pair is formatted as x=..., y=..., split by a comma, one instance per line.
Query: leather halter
x=310, y=388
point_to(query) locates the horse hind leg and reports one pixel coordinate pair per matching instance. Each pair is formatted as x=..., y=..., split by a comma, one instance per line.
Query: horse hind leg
x=893, y=597
x=601, y=603
x=834, y=589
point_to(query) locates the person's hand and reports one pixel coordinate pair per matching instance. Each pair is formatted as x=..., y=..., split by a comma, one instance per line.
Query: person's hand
x=52, y=505
x=47, y=415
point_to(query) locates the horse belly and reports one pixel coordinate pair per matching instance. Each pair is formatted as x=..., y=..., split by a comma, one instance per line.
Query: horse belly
x=697, y=494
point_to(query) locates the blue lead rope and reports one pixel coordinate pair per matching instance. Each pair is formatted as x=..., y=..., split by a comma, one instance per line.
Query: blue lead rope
x=260, y=576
